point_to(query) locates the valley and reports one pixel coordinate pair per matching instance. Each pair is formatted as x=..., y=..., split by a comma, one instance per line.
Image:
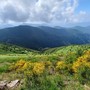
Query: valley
x=45, y=58
x=44, y=44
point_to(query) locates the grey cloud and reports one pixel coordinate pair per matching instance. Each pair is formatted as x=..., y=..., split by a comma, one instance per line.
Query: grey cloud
x=38, y=10
x=9, y=12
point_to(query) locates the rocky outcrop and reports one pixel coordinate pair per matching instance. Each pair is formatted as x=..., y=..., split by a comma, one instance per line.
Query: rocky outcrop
x=4, y=85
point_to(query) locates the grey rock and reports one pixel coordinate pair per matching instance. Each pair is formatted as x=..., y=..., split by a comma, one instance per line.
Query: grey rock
x=13, y=84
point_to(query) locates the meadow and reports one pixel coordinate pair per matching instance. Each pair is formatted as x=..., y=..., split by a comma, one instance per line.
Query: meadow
x=61, y=68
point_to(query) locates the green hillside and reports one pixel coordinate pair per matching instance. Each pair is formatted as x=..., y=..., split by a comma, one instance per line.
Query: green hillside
x=60, y=68
x=13, y=49
x=66, y=49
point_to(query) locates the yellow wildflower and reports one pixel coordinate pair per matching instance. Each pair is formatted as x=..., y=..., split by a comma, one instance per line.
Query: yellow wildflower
x=38, y=68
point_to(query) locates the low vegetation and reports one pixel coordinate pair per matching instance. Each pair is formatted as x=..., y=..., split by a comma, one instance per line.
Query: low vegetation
x=64, y=68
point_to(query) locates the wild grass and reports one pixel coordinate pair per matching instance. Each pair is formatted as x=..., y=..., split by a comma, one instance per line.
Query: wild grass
x=57, y=75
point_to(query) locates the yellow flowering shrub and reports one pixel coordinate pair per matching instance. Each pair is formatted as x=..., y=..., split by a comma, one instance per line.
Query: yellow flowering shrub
x=87, y=52
x=17, y=65
x=60, y=65
x=29, y=68
x=38, y=68
x=20, y=63
x=82, y=61
x=28, y=65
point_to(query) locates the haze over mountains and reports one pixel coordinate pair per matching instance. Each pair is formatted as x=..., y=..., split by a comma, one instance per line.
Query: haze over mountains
x=44, y=36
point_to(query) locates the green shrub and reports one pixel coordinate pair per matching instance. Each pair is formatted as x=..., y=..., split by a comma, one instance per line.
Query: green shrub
x=44, y=83
x=83, y=74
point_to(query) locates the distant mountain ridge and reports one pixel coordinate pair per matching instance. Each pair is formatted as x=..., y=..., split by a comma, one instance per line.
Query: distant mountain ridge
x=83, y=29
x=43, y=36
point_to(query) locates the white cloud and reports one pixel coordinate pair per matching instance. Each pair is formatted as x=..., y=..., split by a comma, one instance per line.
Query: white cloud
x=40, y=11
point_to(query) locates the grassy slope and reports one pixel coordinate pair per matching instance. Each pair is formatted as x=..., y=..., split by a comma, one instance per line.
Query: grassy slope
x=13, y=49
x=67, y=49
x=11, y=53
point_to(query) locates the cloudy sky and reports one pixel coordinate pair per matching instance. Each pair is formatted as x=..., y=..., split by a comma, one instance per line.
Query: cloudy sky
x=44, y=11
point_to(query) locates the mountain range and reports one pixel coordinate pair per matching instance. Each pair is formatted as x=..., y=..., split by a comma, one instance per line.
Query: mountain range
x=44, y=36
